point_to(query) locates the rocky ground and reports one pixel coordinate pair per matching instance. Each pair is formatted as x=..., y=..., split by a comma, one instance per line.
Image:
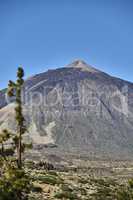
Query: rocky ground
x=79, y=183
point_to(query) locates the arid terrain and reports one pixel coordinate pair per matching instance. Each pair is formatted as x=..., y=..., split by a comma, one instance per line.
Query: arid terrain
x=100, y=180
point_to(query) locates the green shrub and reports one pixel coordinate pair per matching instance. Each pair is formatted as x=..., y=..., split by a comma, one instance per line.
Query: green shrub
x=83, y=191
x=36, y=189
x=14, y=184
x=66, y=195
x=83, y=181
x=49, y=179
x=66, y=188
x=54, y=173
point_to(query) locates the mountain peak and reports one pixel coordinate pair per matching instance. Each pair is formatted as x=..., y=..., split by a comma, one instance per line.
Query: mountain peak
x=81, y=64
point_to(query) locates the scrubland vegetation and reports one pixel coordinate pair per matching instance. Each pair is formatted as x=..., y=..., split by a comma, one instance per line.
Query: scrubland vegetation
x=76, y=186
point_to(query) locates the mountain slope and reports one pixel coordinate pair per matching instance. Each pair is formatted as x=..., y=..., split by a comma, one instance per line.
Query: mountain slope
x=77, y=109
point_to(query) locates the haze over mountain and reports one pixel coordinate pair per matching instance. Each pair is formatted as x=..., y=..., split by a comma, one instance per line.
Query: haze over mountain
x=76, y=109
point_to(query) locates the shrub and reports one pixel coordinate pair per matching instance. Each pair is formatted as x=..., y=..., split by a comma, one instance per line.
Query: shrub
x=14, y=184
x=36, y=189
x=49, y=179
x=66, y=195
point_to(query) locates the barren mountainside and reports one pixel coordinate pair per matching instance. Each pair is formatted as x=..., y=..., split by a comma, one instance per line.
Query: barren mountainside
x=76, y=109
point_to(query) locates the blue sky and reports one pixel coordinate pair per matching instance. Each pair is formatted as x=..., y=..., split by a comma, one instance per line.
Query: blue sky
x=42, y=34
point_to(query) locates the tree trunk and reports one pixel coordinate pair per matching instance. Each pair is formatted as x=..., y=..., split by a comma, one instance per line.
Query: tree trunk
x=19, y=151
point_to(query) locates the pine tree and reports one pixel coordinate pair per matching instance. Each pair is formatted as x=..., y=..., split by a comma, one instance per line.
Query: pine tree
x=14, y=182
x=15, y=90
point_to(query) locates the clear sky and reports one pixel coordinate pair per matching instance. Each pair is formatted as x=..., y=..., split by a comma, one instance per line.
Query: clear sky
x=42, y=34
